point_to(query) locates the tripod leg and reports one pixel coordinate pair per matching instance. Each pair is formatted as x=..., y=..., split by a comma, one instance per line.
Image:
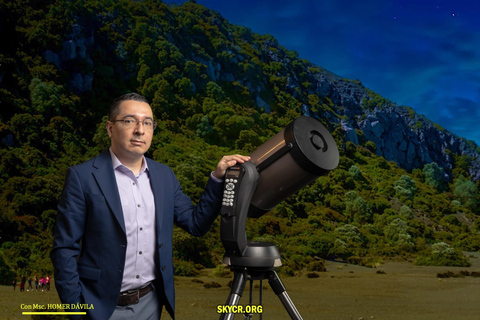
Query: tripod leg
x=261, y=297
x=238, y=285
x=282, y=294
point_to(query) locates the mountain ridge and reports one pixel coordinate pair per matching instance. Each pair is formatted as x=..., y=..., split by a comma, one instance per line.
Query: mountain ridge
x=400, y=134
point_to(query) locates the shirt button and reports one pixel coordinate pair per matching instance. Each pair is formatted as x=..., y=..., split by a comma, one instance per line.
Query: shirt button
x=133, y=183
x=138, y=206
x=163, y=268
x=140, y=252
x=141, y=229
x=137, y=276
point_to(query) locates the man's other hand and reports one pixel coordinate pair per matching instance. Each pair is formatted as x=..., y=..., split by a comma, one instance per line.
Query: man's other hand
x=227, y=162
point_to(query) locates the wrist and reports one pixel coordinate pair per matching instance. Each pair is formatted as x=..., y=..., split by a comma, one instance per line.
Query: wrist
x=215, y=178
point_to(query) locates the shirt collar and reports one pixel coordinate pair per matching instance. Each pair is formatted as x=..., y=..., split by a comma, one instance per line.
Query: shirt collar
x=117, y=165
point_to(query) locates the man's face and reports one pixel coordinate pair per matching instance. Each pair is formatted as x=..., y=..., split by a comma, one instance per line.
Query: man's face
x=131, y=143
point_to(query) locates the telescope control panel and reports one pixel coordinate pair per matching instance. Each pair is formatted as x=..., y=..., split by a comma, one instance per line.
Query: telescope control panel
x=232, y=178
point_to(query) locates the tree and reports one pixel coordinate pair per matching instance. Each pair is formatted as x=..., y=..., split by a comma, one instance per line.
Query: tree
x=396, y=232
x=355, y=173
x=466, y=192
x=433, y=175
x=405, y=188
x=406, y=212
x=6, y=274
x=357, y=208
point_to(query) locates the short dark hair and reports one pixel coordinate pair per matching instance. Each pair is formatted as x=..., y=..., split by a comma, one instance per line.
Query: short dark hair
x=115, y=106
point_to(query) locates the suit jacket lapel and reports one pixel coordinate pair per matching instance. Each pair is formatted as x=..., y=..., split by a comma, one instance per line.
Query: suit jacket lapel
x=105, y=177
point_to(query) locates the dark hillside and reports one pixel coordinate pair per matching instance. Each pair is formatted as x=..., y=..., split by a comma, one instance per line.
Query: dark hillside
x=404, y=188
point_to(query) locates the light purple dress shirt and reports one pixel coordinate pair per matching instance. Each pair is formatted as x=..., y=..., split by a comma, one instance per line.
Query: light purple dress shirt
x=138, y=207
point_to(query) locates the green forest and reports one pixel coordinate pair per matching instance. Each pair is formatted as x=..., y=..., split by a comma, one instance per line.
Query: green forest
x=215, y=88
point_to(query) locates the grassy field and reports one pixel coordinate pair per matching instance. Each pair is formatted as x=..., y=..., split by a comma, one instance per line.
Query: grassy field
x=396, y=290
x=14, y=303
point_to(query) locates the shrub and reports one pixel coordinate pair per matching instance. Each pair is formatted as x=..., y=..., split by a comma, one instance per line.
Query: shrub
x=221, y=271
x=442, y=254
x=349, y=233
x=466, y=192
x=371, y=146
x=433, y=175
x=185, y=268
x=286, y=271
x=340, y=249
x=357, y=207
x=406, y=212
x=355, y=173
x=212, y=284
x=397, y=233
x=371, y=262
x=320, y=245
x=361, y=210
x=317, y=265
x=405, y=188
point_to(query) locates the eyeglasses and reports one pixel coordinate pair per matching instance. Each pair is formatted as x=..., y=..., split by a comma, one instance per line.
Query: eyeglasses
x=129, y=123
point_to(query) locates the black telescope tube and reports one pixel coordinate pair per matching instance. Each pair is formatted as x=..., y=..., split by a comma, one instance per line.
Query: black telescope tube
x=290, y=160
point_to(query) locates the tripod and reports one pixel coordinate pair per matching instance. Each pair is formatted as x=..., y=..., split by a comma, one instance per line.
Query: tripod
x=264, y=269
x=290, y=160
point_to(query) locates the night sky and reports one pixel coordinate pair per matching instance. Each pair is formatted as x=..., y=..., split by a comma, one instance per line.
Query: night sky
x=424, y=54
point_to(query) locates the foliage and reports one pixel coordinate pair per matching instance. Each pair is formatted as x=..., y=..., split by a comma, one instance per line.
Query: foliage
x=374, y=100
x=185, y=268
x=405, y=187
x=442, y=254
x=6, y=275
x=466, y=192
x=433, y=175
x=397, y=234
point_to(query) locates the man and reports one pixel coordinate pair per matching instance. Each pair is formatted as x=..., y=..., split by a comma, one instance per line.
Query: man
x=112, y=250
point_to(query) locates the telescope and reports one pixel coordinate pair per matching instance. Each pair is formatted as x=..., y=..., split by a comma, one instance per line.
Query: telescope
x=296, y=156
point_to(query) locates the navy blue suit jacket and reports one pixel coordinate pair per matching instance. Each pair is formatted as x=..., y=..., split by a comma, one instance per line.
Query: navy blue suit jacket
x=89, y=246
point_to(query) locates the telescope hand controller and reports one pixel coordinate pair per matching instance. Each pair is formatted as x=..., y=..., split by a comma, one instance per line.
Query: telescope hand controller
x=231, y=180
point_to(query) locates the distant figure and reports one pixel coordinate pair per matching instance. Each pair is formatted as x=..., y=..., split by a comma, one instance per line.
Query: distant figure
x=22, y=283
x=47, y=282
x=36, y=283
x=14, y=283
x=43, y=284
x=29, y=284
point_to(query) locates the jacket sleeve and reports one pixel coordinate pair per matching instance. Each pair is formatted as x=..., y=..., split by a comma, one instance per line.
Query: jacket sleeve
x=68, y=233
x=198, y=219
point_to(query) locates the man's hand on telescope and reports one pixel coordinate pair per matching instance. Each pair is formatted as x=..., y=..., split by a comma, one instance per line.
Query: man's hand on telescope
x=227, y=162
